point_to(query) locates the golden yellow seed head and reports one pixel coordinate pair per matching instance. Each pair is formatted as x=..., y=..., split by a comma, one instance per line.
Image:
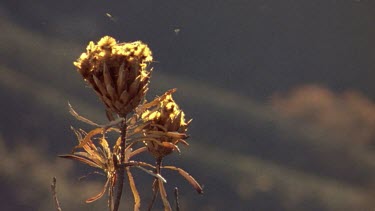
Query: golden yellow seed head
x=167, y=126
x=118, y=72
x=168, y=114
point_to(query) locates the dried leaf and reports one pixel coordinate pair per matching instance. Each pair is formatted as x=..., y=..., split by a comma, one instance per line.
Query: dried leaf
x=176, y=135
x=179, y=118
x=112, y=92
x=137, y=198
x=100, y=86
x=107, y=76
x=187, y=176
x=103, y=142
x=171, y=145
x=81, y=118
x=161, y=178
x=137, y=129
x=155, y=102
x=81, y=159
x=88, y=137
x=124, y=97
x=77, y=133
x=138, y=151
x=163, y=194
x=94, y=198
x=160, y=127
x=182, y=141
x=140, y=163
x=121, y=80
x=133, y=89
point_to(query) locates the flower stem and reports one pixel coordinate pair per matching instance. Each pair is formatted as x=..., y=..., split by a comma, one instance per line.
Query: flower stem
x=120, y=173
x=155, y=184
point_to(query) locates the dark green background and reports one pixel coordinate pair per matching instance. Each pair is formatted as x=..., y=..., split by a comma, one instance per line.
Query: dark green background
x=281, y=92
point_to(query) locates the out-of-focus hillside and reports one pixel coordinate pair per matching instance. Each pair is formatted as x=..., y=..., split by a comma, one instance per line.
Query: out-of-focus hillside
x=308, y=148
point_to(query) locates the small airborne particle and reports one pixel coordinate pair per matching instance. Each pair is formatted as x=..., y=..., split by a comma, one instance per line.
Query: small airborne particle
x=111, y=17
x=176, y=31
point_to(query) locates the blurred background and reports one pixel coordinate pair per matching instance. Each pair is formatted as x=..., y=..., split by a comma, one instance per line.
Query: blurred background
x=282, y=95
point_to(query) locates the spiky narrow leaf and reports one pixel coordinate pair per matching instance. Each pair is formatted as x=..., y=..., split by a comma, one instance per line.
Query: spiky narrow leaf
x=138, y=151
x=100, y=86
x=137, y=198
x=99, y=195
x=163, y=195
x=188, y=177
x=88, y=137
x=81, y=118
x=121, y=79
x=81, y=159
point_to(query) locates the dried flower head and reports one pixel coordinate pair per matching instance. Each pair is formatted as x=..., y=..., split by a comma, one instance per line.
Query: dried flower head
x=118, y=72
x=166, y=126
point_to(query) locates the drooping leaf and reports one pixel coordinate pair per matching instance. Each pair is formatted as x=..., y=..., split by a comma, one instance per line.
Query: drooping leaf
x=103, y=142
x=163, y=195
x=88, y=137
x=137, y=198
x=99, y=195
x=80, y=118
x=88, y=156
x=177, y=135
x=188, y=177
x=156, y=175
x=182, y=141
x=77, y=133
x=94, y=153
x=137, y=151
x=171, y=145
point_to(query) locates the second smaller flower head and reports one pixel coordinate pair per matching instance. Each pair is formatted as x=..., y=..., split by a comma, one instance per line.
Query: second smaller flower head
x=166, y=126
x=118, y=72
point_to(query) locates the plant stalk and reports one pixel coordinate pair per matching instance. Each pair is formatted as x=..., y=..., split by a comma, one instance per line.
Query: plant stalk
x=120, y=173
x=155, y=184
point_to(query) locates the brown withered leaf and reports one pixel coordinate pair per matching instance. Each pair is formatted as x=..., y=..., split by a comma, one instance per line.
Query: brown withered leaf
x=94, y=198
x=81, y=159
x=87, y=139
x=155, y=102
x=163, y=195
x=137, y=198
x=96, y=156
x=187, y=176
x=79, y=117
